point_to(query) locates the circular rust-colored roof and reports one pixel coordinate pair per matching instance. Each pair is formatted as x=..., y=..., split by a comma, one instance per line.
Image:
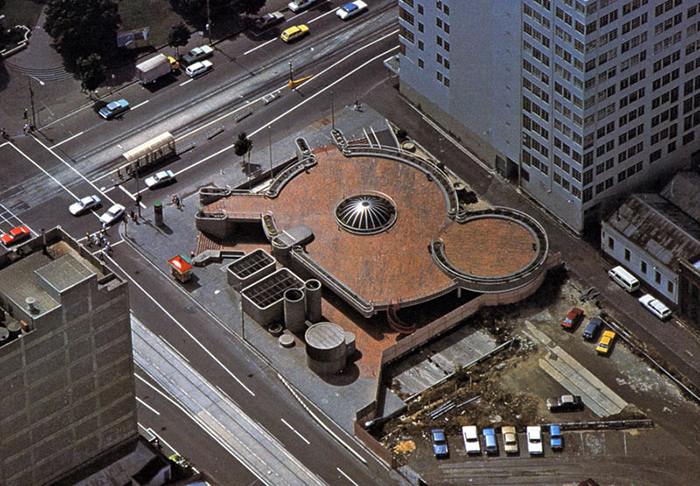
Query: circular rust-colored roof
x=394, y=264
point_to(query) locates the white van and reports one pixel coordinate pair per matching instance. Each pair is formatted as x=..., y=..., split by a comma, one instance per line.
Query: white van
x=624, y=279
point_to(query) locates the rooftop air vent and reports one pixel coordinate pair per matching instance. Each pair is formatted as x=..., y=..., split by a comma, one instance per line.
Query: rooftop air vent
x=31, y=305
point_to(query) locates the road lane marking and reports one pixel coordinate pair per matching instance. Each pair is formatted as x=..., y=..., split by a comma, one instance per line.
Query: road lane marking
x=189, y=334
x=140, y=104
x=127, y=192
x=67, y=165
x=295, y=431
x=172, y=348
x=68, y=139
x=210, y=156
x=346, y=476
x=186, y=82
x=147, y=406
x=258, y=47
x=322, y=15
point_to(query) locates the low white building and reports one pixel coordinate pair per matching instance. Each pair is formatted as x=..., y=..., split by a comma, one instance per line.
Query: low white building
x=650, y=234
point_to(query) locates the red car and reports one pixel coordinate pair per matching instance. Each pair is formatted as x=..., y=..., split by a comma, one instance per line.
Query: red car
x=15, y=236
x=572, y=318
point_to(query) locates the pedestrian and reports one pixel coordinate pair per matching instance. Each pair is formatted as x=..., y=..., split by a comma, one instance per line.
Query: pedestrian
x=119, y=174
x=104, y=228
x=26, y=113
x=191, y=255
x=88, y=239
x=108, y=247
x=134, y=218
x=4, y=133
x=26, y=128
x=95, y=240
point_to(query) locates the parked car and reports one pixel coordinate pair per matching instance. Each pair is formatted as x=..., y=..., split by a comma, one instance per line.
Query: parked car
x=534, y=440
x=114, y=109
x=655, y=306
x=555, y=440
x=471, y=439
x=160, y=179
x=293, y=33
x=605, y=343
x=113, y=214
x=572, y=318
x=197, y=54
x=439, y=443
x=198, y=68
x=84, y=205
x=510, y=439
x=268, y=20
x=564, y=403
x=301, y=5
x=490, y=444
x=592, y=328
x=15, y=235
x=351, y=9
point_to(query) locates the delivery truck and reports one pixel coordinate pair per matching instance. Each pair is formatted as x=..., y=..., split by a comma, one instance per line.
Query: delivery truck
x=155, y=67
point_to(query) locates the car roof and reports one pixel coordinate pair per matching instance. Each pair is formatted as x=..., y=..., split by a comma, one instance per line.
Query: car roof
x=554, y=429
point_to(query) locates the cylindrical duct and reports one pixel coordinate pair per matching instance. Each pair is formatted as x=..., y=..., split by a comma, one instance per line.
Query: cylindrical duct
x=294, y=306
x=313, y=300
x=4, y=336
x=15, y=329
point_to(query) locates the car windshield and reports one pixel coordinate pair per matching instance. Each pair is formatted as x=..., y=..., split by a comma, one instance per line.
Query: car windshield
x=350, y=7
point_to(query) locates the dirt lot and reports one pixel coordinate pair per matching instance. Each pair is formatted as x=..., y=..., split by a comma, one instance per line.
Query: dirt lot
x=509, y=388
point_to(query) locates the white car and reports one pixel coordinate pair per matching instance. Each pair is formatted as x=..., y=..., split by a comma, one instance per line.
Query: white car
x=197, y=54
x=299, y=5
x=160, y=179
x=84, y=205
x=471, y=439
x=655, y=306
x=351, y=9
x=113, y=214
x=198, y=68
x=534, y=440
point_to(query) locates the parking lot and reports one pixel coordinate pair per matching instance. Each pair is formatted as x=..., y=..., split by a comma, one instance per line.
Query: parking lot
x=512, y=387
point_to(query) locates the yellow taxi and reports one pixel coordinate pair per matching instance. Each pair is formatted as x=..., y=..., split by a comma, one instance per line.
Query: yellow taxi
x=293, y=33
x=605, y=342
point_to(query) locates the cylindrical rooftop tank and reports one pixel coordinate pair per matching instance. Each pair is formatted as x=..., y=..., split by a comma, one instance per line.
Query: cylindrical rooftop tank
x=312, y=288
x=294, y=306
x=349, y=344
x=15, y=329
x=325, y=348
x=4, y=336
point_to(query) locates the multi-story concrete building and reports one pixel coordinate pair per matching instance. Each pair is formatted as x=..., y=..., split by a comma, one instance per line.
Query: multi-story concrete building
x=581, y=101
x=67, y=384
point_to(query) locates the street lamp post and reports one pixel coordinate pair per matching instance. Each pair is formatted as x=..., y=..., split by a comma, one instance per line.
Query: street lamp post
x=31, y=96
x=332, y=112
x=208, y=23
x=269, y=140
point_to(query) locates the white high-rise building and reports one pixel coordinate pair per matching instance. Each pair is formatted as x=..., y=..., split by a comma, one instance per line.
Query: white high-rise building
x=579, y=101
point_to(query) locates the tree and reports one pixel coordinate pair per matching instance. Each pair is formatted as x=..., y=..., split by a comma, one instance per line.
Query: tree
x=179, y=37
x=83, y=27
x=93, y=72
x=243, y=145
x=198, y=8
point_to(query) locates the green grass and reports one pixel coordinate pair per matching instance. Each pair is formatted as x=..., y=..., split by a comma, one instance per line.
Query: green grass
x=22, y=12
x=158, y=15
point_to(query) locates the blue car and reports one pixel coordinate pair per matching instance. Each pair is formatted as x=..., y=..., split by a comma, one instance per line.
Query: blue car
x=490, y=444
x=113, y=109
x=555, y=440
x=352, y=9
x=439, y=443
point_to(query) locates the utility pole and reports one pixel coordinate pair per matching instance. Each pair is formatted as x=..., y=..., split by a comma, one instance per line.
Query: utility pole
x=291, y=75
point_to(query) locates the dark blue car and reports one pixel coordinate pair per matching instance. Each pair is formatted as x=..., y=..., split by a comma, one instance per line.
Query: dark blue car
x=439, y=443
